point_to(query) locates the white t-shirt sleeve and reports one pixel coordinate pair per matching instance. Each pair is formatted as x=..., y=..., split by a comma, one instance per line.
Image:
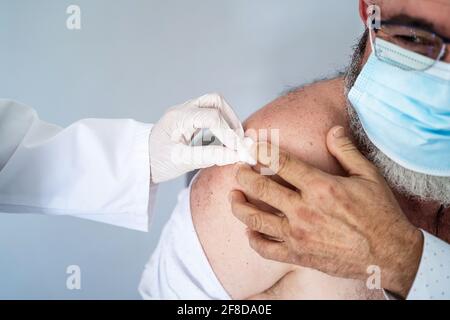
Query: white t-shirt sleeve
x=433, y=278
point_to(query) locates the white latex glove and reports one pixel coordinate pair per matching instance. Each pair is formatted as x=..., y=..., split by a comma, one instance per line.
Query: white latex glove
x=171, y=151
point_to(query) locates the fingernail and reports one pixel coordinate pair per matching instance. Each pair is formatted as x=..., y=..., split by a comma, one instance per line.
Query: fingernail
x=339, y=132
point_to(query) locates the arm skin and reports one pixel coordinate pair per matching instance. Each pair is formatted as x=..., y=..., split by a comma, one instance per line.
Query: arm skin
x=303, y=117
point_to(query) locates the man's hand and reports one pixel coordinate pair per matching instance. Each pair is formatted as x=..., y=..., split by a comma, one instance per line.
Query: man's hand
x=338, y=225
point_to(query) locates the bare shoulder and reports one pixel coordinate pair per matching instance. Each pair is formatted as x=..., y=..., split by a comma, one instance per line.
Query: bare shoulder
x=303, y=118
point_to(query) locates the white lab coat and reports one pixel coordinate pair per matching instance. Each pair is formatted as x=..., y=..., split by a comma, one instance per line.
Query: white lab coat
x=94, y=169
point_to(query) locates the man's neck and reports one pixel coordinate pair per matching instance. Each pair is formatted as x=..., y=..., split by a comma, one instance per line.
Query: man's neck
x=423, y=214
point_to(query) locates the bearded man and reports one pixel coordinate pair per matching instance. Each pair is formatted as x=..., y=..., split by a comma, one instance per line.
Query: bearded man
x=332, y=214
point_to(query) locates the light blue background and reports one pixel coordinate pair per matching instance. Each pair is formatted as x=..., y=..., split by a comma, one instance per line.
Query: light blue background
x=133, y=59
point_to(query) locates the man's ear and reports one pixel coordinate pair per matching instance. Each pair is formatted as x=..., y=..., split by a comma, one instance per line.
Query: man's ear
x=363, y=10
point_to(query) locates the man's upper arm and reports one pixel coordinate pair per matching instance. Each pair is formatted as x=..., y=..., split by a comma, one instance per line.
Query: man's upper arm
x=303, y=118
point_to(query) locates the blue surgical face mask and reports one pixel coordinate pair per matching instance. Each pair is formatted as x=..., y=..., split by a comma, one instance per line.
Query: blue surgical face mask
x=406, y=113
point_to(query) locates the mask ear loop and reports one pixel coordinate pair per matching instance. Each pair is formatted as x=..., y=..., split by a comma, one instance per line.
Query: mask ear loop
x=441, y=55
x=372, y=41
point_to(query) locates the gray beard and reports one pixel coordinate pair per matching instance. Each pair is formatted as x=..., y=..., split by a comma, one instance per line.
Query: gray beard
x=406, y=182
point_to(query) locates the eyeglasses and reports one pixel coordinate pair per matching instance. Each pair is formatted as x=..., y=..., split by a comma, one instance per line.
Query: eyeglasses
x=422, y=42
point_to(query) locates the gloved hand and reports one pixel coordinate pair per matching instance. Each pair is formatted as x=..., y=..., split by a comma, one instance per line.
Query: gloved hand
x=171, y=151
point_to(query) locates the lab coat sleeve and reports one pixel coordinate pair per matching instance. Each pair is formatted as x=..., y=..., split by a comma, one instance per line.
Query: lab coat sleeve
x=433, y=278
x=95, y=169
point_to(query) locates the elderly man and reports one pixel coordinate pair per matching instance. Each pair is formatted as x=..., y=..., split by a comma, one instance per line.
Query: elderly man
x=314, y=218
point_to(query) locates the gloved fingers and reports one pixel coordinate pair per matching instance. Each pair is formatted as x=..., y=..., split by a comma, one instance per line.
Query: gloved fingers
x=193, y=120
x=212, y=112
x=201, y=157
x=212, y=119
x=217, y=155
x=217, y=101
x=184, y=134
x=184, y=125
